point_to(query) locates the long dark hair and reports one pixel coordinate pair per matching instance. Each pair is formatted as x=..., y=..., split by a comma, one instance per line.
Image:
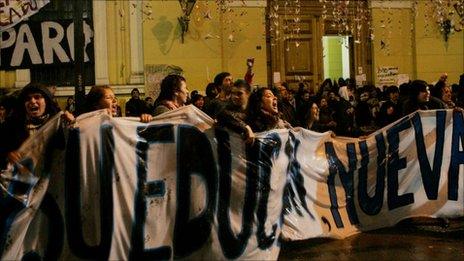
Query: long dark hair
x=169, y=85
x=240, y=83
x=416, y=87
x=219, y=78
x=305, y=115
x=255, y=117
x=327, y=84
x=92, y=99
x=212, y=90
x=438, y=90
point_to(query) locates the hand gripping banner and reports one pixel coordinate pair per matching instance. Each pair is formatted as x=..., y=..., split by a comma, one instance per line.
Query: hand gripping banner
x=115, y=188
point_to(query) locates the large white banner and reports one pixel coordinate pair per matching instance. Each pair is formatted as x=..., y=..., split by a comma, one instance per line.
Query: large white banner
x=178, y=188
x=14, y=11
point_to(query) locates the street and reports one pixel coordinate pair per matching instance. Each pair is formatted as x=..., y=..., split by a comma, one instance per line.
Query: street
x=424, y=240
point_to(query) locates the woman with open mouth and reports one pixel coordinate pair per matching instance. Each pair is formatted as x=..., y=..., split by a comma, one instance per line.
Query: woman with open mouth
x=33, y=108
x=102, y=97
x=263, y=113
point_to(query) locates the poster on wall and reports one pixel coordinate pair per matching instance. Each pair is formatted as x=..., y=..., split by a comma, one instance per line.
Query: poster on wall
x=14, y=11
x=403, y=78
x=154, y=74
x=276, y=77
x=360, y=79
x=32, y=44
x=386, y=76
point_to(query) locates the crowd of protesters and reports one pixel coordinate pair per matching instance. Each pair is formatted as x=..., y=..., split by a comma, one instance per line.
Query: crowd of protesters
x=24, y=114
x=338, y=106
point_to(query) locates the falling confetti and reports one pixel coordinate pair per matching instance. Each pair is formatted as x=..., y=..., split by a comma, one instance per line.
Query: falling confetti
x=231, y=38
x=207, y=15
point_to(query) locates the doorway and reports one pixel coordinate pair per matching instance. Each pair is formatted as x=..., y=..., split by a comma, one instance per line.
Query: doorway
x=336, y=57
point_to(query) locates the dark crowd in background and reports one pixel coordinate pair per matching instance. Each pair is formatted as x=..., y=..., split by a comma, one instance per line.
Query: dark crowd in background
x=338, y=106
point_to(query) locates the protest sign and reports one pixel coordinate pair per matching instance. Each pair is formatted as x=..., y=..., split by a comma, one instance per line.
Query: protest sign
x=387, y=76
x=15, y=11
x=179, y=188
x=35, y=44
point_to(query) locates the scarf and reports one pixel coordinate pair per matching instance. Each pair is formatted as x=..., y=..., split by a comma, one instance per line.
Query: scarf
x=33, y=124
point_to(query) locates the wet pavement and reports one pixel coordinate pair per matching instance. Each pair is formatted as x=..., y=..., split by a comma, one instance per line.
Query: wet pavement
x=410, y=240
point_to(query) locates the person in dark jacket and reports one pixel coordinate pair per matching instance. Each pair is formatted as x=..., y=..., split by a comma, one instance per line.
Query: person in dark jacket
x=363, y=113
x=234, y=114
x=212, y=93
x=326, y=119
x=33, y=108
x=390, y=110
x=224, y=83
x=419, y=97
x=198, y=101
x=136, y=106
x=6, y=107
x=442, y=92
x=288, y=112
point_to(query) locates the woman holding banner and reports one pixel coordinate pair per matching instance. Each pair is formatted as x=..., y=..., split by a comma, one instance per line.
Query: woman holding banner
x=34, y=107
x=102, y=97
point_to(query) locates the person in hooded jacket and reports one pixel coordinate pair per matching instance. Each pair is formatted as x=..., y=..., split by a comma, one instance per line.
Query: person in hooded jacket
x=33, y=108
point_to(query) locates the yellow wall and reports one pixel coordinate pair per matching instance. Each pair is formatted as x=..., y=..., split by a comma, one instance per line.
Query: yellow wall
x=420, y=53
x=396, y=36
x=7, y=79
x=249, y=34
x=118, y=37
x=207, y=49
x=434, y=55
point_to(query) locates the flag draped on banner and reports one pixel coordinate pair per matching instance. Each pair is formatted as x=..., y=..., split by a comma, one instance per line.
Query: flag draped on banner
x=15, y=11
x=179, y=188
